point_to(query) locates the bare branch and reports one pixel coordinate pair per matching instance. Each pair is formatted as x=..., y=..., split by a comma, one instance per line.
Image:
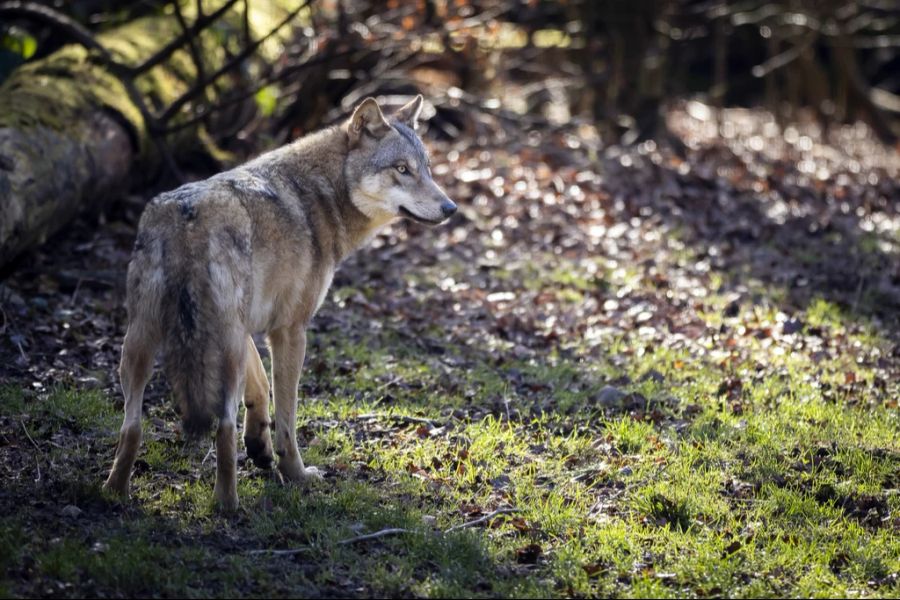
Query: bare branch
x=201, y=84
x=237, y=99
x=166, y=51
x=192, y=44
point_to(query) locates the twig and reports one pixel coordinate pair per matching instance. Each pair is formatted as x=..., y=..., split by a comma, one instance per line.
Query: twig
x=480, y=520
x=785, y=58
x=208, y=454
x=287, y=552
x=37, y=462
x=30, y=439
x=373, y=536
x=353, y=540
x=402, y=418
x=384, y=533
x=21, y=350
x=389, y=383
x=75, y=293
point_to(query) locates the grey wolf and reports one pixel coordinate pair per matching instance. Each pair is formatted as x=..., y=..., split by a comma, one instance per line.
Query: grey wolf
x=254, y=250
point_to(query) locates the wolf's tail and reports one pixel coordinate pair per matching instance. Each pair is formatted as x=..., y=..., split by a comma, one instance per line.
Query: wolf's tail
x=205, y=344
x=187, y=360
x=191, y=361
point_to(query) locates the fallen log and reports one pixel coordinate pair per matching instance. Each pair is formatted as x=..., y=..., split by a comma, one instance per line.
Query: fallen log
x=79, y=126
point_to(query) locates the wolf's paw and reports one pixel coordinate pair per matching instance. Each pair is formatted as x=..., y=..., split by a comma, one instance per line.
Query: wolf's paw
x=313, y=474
x=227, y=505
x=259, y=449
x=116, y=487
x=226, y=500
x=297, y=473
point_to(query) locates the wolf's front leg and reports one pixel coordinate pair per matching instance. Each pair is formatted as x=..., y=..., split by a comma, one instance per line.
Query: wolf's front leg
x=288, y=352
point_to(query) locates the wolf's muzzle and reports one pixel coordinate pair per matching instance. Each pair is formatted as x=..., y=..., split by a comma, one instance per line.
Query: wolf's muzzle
x=448, y=208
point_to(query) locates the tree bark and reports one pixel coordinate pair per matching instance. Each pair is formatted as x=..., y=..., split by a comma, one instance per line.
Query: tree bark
x=73, y=134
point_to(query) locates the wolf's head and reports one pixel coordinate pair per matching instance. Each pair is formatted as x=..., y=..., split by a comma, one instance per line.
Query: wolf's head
x=387, y=169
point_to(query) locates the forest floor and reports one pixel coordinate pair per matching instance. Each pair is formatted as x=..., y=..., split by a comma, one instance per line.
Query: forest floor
x=671, y=377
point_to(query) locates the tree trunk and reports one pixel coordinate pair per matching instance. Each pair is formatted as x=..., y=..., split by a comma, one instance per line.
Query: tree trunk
x=73, y=135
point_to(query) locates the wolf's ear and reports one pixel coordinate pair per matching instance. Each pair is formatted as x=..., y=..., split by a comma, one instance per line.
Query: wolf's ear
x=367, y=119
x=408, y=114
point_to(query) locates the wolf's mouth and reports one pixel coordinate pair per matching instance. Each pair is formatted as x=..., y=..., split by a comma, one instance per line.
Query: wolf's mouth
x=408, y=213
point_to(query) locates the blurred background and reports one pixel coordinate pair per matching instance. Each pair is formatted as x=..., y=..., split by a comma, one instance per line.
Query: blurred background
x=760, y=136
x=491, y=66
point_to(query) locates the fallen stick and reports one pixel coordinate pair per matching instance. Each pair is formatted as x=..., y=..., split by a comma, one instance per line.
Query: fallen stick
x=373, y=536
x=401, y=418
x=386, y=532
x=479, y=521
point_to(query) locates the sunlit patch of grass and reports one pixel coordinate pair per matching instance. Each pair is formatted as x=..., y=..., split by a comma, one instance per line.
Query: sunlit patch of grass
x=821, y=313
x=85, y=409
x=165, y=455
x=689, y=503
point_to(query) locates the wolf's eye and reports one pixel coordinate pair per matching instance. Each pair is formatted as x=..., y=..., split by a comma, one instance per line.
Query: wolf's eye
x=401, y=168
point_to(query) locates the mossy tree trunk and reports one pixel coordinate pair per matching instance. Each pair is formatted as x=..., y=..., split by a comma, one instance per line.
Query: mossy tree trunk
x=73, y=134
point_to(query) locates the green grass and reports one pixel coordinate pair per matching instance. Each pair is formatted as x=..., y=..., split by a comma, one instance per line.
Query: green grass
x=744, y=472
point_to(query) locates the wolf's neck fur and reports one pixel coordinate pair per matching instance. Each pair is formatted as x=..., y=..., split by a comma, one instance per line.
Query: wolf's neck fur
x=316, y=162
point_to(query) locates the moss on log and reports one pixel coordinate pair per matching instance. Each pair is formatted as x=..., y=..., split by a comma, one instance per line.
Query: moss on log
x=72, y=137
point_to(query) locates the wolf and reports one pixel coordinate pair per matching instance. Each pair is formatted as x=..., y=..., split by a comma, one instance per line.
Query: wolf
x=253, y=250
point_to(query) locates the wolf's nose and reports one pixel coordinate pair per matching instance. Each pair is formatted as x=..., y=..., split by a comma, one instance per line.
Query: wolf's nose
x=448, y=208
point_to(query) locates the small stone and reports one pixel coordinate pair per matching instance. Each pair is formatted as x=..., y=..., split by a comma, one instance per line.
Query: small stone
x=792, y=326
x=429, y=520
x=99, y=547
x=654, y=376
x=500, y=483
x=626, y=471
x=733, y=309
x=89, y=382
x=610, y=396
x=71, y=511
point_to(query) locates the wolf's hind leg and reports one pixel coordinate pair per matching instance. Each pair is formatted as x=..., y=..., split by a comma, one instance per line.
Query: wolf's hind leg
x=288, y=351
x=226, y=437
x=257, y=435
x=135, y=368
